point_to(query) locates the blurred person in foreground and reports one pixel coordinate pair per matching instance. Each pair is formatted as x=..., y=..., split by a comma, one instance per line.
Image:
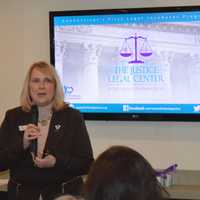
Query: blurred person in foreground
x=121, y=173
x=44, y=143
x=67, y=197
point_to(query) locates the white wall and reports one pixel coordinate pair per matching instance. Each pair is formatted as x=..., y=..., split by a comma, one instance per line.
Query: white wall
x=24, y=38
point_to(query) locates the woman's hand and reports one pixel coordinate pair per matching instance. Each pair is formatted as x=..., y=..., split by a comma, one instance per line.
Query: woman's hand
x=46, y=162
x=31, y=132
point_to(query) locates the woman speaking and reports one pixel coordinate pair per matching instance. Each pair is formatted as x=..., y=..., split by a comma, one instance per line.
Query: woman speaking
x=44, y=143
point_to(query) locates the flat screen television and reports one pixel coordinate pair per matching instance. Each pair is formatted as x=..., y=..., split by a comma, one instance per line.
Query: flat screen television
x=129, y=64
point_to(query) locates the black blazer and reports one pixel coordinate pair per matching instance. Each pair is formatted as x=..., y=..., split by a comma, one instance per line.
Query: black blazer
x=67, y=140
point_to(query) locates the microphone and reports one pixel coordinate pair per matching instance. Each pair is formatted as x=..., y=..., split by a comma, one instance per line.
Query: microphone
x=33, y=145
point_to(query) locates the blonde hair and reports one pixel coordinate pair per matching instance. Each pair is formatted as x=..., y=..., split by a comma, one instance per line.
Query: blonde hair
x=25, y=99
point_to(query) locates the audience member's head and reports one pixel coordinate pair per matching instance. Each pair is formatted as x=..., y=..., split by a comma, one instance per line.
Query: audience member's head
x=66, y=197
x=121, y=173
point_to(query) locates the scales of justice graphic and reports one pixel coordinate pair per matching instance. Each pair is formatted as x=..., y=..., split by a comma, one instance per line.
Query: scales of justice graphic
x=145, y=50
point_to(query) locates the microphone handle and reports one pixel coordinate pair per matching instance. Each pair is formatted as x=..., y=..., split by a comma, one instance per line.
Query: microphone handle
x=33, y=147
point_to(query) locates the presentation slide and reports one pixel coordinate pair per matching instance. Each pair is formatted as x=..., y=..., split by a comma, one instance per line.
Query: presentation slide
x=130, y=62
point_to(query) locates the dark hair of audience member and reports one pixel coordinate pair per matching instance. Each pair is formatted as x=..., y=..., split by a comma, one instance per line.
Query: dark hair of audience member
x=121, y=173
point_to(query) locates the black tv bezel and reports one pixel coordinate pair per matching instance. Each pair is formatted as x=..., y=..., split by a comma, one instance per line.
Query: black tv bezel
x=124, y=116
